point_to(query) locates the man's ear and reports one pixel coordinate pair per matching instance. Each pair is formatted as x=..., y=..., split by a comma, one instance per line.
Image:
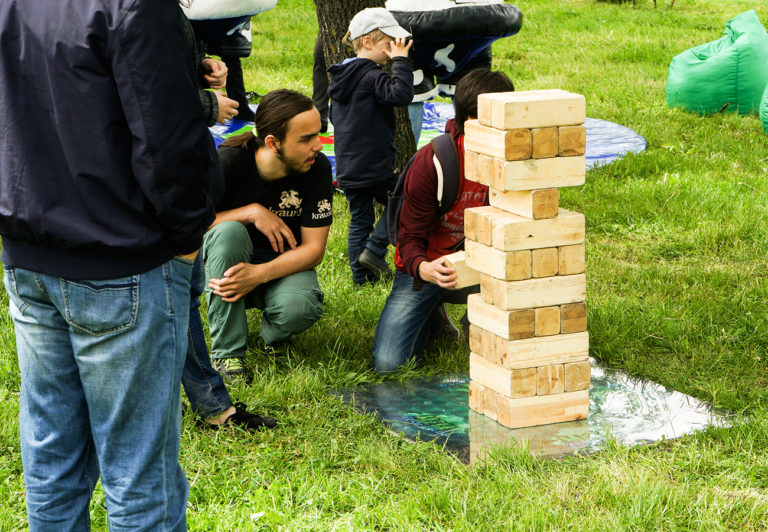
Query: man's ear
x=272, y=143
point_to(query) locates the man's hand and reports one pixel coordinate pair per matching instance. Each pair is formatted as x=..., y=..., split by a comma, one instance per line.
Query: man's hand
x=271, y=226
x=436, y=272
x=398, y=47
x=227, y=107
x=214, y=72
x=238, y=280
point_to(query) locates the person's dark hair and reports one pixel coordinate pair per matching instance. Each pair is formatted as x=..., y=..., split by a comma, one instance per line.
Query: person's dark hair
x=476, y=82
x=272, y=116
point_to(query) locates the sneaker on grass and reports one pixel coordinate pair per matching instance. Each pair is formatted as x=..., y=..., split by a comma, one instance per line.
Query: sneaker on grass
x=376, y=264
x=232, y=369
x=243, y=419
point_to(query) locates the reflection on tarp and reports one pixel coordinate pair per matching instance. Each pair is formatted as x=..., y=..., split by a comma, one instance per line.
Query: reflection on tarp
x=606, y=141
x=629, y=410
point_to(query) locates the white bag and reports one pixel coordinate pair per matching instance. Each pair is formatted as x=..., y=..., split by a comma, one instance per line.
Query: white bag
x=218, y=9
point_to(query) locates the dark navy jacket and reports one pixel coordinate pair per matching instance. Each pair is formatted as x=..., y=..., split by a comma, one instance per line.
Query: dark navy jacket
x=105, y=159
x=362, y=100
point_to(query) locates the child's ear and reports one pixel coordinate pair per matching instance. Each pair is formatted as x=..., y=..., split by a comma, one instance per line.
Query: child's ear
x=367, y=42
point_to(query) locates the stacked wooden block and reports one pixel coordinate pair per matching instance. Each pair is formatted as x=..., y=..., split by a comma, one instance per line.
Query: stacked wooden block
x=529, y=345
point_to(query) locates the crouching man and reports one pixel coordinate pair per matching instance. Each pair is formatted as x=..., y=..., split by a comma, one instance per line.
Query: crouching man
x=270, y=230
x=414, y=312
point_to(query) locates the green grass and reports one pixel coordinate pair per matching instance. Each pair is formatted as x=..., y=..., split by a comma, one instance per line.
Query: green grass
x=676, y=245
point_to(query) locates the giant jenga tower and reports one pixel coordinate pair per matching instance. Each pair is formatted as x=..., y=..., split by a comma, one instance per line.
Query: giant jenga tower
x=529, y=345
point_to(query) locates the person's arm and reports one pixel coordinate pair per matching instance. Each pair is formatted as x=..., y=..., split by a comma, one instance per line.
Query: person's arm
x=267, y=222
x=243, y=277
x=170, y=158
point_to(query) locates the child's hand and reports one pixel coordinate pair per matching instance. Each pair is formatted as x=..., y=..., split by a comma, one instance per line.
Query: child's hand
x=399, y=48
x=215, y=72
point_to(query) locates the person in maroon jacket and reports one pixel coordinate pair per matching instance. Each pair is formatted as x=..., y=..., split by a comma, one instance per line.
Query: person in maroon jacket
x=414, y=312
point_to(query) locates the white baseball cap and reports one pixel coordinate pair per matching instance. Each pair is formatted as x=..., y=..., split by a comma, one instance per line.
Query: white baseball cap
x=375, y=18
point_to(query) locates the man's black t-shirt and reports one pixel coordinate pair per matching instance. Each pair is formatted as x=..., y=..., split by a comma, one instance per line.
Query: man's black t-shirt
x=300, y=200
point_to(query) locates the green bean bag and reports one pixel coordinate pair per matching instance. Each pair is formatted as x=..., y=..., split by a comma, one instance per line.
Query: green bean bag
x=764, y=110
x=731, y=70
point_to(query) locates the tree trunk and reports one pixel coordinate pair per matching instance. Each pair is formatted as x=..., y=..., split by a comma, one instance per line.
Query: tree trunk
x=333, y=18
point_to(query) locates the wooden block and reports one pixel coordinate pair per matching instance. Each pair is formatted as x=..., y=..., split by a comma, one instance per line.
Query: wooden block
x=572, y=259
x=507, y=265
x=511, y=144
x=544, y=262
x=532, y=109
x=465, y=275
x=510, y=383
x=511, y=232
x=476, y=397
x=550, y=379
x=484, y=104
x=486, y=288
x=480, y=223
x=544, y=292
x=573, y=318
x=546, y=321
x=470, y=166
x=536, y=204
x=509, y=325
x=538, y=173
x=484, y=169
x=490, y=403
x=545, y=142
x=577, y=376
x=470, y=224
x=483, y=343
x=534, y=352
x=542, y=410
x=573, y=140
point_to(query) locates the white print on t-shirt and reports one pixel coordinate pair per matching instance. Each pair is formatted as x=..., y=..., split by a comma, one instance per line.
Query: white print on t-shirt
x=323, y=210
x=290, y=199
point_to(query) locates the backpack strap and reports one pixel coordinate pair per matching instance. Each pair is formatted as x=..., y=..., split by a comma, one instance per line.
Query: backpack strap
x=446, y=159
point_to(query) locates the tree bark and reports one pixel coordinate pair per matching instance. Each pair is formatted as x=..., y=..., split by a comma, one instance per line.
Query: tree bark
x=333, y=18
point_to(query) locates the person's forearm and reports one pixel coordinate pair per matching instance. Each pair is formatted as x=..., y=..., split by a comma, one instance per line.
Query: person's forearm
x=304, y=257
x=241, y=214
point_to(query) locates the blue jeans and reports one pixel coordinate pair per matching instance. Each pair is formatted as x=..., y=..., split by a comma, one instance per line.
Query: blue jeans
x=362, y=231
x=100, y=365
x=406, y=324
x=416, y=114
x=203, y=385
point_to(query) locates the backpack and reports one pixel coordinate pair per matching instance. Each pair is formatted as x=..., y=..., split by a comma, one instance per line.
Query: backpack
x=446, y=159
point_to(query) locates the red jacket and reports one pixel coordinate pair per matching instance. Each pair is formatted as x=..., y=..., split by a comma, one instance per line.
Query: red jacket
x=423, y=235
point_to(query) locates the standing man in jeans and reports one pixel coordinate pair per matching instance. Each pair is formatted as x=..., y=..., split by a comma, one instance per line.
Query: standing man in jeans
x=104, y=164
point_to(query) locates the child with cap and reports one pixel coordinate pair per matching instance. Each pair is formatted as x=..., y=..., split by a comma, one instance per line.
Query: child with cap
x=362, y=101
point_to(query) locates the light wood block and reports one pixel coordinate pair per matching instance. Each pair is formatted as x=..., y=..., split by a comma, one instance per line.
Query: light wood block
x=538, y=173
x=476, y=392
x=486, y=288
x=572, y=259
x=544, y=262
x=544, y=292
x=507, y=265
x=465, y=275
x=511, y=325
x=470, y=166
x=480, y=224
x=510, y=383
x=510, y=144
x=542, y=351
x=470, y=223
x=484, y=169
x=573, y=141
x=542, y=410
x=536, y=204
x=546, y=321
x=550, y=379
x=511, y=232
x=490, y=403
x=545, y=142
x=577, y=376
x=483, y=343
x=573, y=318
x=531, y=109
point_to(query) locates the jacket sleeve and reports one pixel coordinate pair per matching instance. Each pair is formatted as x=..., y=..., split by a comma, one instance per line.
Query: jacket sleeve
x=170, y=156
x=210, y=106
x=396, y=89
x=418, y=214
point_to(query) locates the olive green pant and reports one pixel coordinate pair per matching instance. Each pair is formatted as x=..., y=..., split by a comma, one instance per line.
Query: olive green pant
x=289, y=305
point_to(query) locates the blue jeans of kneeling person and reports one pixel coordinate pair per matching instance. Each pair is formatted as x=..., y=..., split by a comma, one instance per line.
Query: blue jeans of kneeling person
x=363, y=232
x=289, y=305
x=203, y=385
x=100, y=365
x=406, y=324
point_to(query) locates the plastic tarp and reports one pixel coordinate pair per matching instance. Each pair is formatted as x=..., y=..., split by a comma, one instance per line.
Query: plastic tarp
x=731, y=70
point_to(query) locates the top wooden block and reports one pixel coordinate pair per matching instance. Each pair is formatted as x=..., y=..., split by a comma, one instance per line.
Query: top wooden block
x=531, y=109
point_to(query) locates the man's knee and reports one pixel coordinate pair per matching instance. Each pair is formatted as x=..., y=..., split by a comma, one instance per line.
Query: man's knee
x=228, y=238
x=297, y=310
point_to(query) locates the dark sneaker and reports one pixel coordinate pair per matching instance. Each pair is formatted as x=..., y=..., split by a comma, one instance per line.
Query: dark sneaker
x=232, y=369
x=375, y=263
x=443, y=323
x=243, y=419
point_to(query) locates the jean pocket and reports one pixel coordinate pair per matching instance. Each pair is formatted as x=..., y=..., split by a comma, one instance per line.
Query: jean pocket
x=9, y=280
x=101, y=307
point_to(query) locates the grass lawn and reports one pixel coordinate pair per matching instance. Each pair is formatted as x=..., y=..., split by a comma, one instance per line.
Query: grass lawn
x=676, y=244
